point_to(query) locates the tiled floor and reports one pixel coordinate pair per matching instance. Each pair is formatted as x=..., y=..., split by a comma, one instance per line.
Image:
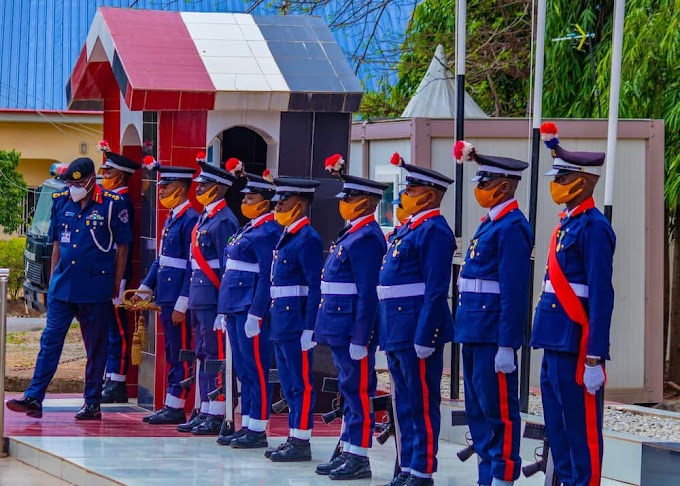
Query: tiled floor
x=13, y=473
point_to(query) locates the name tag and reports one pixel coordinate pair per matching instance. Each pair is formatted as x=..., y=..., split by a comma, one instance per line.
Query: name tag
x=65, y=237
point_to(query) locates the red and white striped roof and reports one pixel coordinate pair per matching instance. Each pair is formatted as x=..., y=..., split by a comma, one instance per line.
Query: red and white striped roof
x=215, y=61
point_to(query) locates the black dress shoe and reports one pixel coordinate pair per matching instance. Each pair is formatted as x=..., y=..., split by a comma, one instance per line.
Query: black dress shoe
x=297, y=450
x=270, y=450
x=29, y=406
x=105, y=383
x=416, y=481
x=188, y=426
x=354, y=467
x=226, y=439
x=250, y=440
x=146, y=418
x=89, y=412
x=326, y=468
x=210, y=426
x=116, y=392
x=399, y=480
x=168, y=415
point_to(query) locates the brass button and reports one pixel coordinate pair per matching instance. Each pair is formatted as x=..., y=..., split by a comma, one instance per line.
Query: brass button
x=319, y=306
x=200, y=281
x=79, y=216
x=240, y=283
x=483, y=307
x=74, y=245
x=169, y=280
x=103, y=272
x=339, y=308
x=285, y=261
x=321, y=299
x=554, y=306
x=73, y=262
x=77, y=231
x=287, y=308
x=399, y=309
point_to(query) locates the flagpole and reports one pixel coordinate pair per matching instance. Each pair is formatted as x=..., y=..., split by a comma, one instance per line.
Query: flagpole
x=536, y=118
x=614, y=92
x=461, y=34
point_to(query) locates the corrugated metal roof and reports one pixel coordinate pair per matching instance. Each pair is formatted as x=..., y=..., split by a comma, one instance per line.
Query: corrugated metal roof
x=40, y=41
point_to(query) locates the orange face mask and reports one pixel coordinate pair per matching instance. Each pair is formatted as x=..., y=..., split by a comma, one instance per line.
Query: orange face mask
x=349, y=211
x=171, y=201
x=289, y=217
x=110, y=184
x=207, y=197
x=413, y=204
x=488, y=198
x=401, y=214
x=563, y=193
x=252, y=211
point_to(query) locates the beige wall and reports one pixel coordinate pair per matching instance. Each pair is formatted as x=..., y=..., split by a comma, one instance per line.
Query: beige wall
x=45, y=141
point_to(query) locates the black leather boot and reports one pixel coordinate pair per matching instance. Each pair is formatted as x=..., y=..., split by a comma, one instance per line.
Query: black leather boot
x=89, y=412
x=226, y=439
x=210, y=426
x=188, y=426
x=326, y=468
x=116, y=392
x=354, y=467
x=297, y=450
x=29, y=406
x=271, y=450
x=399, y=480
x=416, y=481
x=250, y=440
x=168, y=415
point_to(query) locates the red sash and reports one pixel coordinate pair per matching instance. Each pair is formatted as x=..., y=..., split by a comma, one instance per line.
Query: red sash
x=566, y=295
x=196, y=249
x=361, y=224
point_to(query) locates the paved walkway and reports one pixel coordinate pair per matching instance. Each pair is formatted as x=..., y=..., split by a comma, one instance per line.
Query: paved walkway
x=13, y=472
x=18, y=324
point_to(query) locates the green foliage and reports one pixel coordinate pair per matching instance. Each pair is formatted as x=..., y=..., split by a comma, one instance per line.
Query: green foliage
x=13, y=189
x=12, y=257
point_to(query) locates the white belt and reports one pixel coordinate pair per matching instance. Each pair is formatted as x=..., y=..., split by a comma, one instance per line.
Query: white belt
x=243, y=266
x=579, y=289
x=165, y=261
x=478, y=286
x=288, y=291
x=214, y=264
x=398, y=291
x=339, y=288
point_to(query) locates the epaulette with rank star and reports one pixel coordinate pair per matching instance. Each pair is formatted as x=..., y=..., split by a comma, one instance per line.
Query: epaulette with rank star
x=57, y=195
x=112, y=195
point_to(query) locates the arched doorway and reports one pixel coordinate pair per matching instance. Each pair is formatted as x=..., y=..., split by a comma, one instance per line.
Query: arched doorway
x=246, y=145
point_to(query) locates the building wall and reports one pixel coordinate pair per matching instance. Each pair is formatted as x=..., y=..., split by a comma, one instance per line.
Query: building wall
x=42, y=143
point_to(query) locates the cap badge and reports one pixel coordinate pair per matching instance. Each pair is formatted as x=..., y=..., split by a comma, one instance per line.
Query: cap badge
x=76, y=175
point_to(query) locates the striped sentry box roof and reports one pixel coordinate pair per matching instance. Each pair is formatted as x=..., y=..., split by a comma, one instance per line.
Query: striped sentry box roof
x=215, y=61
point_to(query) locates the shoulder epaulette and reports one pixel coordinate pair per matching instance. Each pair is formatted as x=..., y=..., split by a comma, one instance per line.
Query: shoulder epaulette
x=57, y=195
x=111, y=195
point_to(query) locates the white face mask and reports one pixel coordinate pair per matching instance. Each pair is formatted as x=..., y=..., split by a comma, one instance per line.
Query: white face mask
x=78, y=192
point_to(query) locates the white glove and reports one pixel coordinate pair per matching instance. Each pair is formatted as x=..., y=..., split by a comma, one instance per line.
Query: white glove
x=223, y=322
x=357, y=352
x=119, y=300
x=423, y=352
x=217, y=325
x=593, y=378
x=145, y=296
x=306, y=342
x=252, y=326
x=505, y=360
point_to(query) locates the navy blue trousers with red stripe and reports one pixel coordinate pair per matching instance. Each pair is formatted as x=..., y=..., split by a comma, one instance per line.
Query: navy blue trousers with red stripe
x=295, y=375
x=252, y=358
x=118, y=352
x=357, y=381
x=176, y=337
x=573, y=421
x=492, y=409
x=208, y=344
x=417, y=385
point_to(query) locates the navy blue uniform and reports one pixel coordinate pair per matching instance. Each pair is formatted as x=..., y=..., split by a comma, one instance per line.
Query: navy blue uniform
x=584, y=249
x=296, y=293
x=413, y=292
x=348, y=314
x=169, y=277
x=245, y=290
x=118, y=354
x=82, y=284
x=491, y=313
x=213, y=229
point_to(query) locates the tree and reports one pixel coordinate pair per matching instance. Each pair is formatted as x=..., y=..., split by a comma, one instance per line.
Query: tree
x=13, y=189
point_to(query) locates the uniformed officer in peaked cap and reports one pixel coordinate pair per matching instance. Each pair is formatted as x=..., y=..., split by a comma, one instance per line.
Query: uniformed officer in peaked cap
x=168, y=277
x=348, y=318
x=415, y=318
x=491, y=313
x=295, y=292
x=209, y=237
x=400, y=216
x=244, y=301
x=116, y=171
x=90, y=228
x=573, y=316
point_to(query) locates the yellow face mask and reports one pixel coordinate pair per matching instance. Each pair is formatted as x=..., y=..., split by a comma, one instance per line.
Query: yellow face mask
x=401, y=214
x=413, y=204
x=171, y=201
x=110, y=184
x=252, y=211
x=487, y=198
x=289, y=217
x=349, y=211
x=562, y=193
x=207, y=197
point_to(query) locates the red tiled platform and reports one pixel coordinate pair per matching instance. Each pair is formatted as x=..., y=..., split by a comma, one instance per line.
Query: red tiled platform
x=121, y=420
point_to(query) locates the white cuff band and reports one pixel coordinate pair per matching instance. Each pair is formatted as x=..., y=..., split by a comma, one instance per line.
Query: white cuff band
x=182, y=304
x=174, y=402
